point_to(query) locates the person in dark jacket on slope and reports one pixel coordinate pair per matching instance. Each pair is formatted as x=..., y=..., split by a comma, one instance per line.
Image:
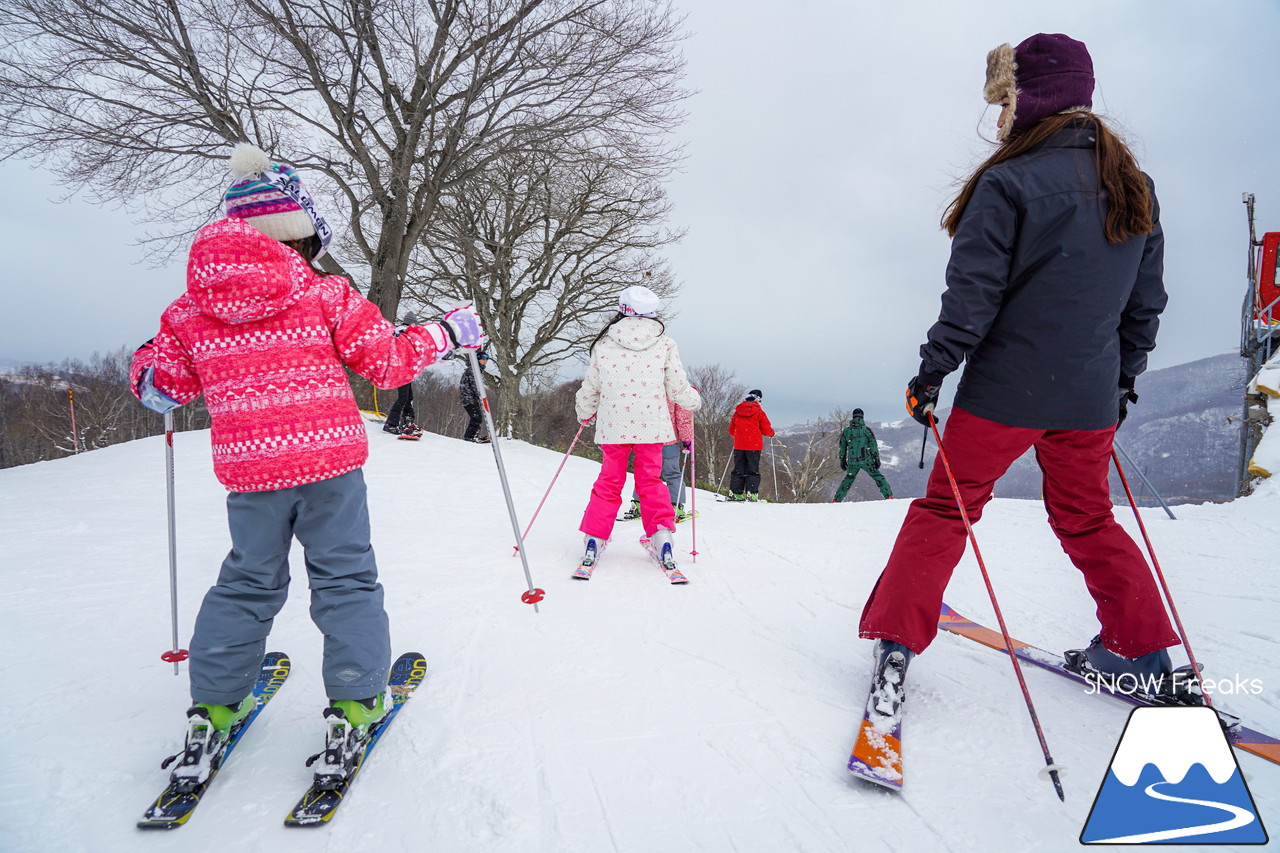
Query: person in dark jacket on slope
x=469, y=396
x=1054, y=292
x=859, y=451
x=748, y=426
x=400, y=420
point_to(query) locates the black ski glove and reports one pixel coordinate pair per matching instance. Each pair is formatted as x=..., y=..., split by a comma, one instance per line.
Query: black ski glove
x=876, y=464
x=1127, y=396
x=843, y=466
x=922, y=395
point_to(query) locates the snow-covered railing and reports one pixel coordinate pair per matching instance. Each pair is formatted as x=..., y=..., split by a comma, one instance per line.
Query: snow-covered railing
x=1266, y=329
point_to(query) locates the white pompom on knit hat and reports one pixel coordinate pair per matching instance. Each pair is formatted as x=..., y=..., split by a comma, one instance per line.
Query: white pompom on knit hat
x=639, y=301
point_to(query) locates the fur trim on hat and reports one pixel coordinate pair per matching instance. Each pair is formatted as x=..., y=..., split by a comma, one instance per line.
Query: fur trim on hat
x=1002, y=85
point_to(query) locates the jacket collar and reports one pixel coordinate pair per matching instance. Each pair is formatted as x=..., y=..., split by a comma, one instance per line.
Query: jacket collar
x=1081, y=133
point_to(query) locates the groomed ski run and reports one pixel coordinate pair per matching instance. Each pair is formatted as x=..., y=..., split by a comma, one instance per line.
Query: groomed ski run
x=623, y=715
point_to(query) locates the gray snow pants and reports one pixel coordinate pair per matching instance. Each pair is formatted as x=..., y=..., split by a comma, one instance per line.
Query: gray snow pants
x=331, y=520
x=671, y=473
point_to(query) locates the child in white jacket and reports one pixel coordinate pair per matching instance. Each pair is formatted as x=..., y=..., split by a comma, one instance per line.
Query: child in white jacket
x=634, y=370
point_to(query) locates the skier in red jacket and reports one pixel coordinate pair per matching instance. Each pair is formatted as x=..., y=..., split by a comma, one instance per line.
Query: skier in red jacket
x=748, y=426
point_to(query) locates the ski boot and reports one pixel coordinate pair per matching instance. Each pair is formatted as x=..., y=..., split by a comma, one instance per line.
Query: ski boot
x=393, y=429
x=681, y=515
x=1150, y=677
x=735, y=497
x=888, y=677
x=485, y=440
x=411, y=429
x=348, y=724
x=753, y=498
x=209, y=727
x=593, y=547
x=660, y=547
x=633, y=511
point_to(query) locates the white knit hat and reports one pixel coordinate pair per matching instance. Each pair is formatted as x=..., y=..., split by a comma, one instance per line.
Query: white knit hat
x=639, y=301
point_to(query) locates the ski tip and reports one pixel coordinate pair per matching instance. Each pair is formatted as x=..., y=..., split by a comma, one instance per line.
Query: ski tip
x=276, y=661
x=410, y=660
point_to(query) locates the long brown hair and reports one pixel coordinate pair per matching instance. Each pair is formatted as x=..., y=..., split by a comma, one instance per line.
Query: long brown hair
x=1129, y=211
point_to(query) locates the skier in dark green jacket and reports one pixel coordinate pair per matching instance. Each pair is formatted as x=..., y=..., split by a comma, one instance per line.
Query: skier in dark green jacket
x=859, y=451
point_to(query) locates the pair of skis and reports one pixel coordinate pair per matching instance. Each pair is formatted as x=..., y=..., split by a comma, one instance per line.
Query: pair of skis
x=318, y=805
x=669, y=567
x=679, y=519
x=877, y=751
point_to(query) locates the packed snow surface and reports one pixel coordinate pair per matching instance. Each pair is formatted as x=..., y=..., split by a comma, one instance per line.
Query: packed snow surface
x=627, y=715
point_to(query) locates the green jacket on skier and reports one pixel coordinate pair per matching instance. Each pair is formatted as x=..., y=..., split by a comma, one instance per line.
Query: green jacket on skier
x=859, y=451
x=858, y=445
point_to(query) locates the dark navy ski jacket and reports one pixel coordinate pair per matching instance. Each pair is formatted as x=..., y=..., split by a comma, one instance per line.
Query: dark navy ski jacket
x=1048, y=315
x=468, y=394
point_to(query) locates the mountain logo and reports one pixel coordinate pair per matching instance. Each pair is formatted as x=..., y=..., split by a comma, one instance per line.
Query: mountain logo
x=1173, y=780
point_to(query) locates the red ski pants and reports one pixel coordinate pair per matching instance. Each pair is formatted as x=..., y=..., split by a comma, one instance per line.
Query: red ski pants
x=606, y=495
x=905, y=602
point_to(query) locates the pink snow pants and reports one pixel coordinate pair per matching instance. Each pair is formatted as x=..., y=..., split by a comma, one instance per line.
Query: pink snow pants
x=906, y=599
x=606, y=495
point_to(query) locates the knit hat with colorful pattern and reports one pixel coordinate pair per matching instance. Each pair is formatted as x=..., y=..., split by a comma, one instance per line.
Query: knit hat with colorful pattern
x=270, y=197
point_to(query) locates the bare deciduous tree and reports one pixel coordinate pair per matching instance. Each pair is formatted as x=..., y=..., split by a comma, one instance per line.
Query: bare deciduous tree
x=543, y=243
x=36, y=409
x=810, y=465
x=387, y=105
x=720, y=394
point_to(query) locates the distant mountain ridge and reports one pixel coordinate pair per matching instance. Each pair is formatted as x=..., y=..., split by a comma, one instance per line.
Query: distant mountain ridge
x=1183, y=434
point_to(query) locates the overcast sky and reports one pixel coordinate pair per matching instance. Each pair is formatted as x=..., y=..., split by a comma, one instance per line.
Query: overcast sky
x=823, y=142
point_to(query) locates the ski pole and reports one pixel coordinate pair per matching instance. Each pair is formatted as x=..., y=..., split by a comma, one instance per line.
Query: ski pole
x=693, y=500
x=720, y=485
x=773, y=458
x=1128, y=460
x=923, y=442
x=175, y=654
x=1051, y=768
x=1164, y=585
x=545, y=495
x=532, y=595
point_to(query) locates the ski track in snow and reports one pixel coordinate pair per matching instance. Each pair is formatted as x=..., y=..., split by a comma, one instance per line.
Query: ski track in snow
x=629, y=714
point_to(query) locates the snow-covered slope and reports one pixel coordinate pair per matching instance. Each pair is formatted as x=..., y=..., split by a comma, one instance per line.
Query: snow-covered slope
x=628, y=715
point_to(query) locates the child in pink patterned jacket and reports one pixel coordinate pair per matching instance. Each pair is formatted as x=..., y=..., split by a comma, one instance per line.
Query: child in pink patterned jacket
x=635, y=370
x=266, y=338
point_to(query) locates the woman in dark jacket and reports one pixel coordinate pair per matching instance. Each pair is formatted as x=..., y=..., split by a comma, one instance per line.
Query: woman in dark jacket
x=1054, y=290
